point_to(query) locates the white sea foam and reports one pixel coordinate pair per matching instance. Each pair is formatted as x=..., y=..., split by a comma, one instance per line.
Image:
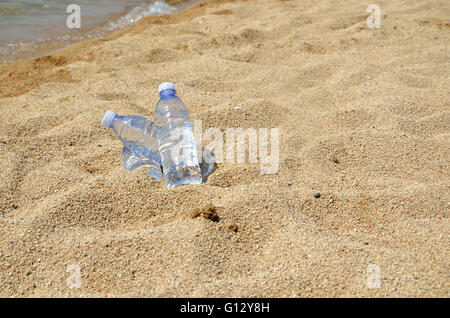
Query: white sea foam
x=157, y=8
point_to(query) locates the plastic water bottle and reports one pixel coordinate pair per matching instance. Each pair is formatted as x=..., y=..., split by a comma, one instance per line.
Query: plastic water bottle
x=175, y=139
x=138, y=134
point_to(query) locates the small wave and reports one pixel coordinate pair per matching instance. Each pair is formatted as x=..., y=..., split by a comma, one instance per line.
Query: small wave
x=11, y=12
x=157, y=8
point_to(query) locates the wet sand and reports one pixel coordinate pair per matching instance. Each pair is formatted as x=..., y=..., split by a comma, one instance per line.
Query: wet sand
x=364, y=120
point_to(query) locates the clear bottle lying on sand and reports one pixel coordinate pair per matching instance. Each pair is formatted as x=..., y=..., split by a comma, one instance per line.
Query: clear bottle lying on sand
x=176, y=140
x=138, y=134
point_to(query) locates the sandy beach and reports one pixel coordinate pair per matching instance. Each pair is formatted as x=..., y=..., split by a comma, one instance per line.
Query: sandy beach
x=363, y=117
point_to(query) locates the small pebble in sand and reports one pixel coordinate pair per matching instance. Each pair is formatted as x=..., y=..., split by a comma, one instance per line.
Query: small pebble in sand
x=317, y=195
x=233, y=227
x=238, y=108
x=335, y=160
x=290, y=183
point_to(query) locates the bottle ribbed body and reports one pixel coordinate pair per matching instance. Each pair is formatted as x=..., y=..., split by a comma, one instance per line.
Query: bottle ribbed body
x=138, y=135
x=176, y=141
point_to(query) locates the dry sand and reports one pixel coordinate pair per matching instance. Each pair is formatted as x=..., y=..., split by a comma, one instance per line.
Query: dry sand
x=364, y=119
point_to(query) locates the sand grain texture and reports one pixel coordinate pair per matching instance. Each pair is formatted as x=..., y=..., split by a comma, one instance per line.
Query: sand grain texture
x=364, y=119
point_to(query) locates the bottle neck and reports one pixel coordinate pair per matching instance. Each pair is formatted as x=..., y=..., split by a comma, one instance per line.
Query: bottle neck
x=167, y=92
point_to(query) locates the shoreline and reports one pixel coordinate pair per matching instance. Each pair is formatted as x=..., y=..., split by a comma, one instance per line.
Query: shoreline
x=30, y=71
x=32, y=48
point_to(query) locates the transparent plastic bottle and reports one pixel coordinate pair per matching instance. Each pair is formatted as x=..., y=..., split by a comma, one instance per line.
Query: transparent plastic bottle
x=176, y=142
x=138, y=134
